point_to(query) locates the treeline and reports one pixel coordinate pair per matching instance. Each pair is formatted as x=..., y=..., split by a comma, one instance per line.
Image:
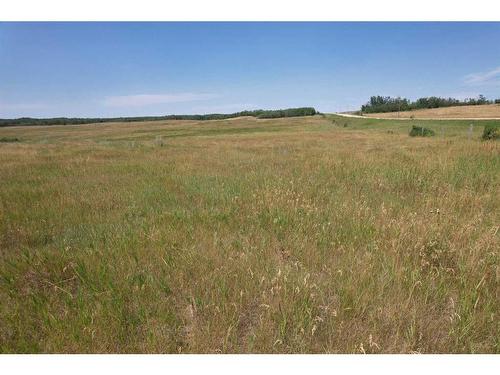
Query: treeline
x=388, y=104
x=259, y=113
x=290, y=112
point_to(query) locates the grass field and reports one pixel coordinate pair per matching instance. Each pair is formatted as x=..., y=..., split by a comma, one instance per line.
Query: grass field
x=320, y=234
x=470, y=111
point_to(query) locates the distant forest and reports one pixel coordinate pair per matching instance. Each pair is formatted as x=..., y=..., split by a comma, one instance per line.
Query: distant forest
x=379, y=103
x=259, y=113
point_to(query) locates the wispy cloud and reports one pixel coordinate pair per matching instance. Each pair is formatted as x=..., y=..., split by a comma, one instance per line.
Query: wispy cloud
x=141, y=100
x=483, y=78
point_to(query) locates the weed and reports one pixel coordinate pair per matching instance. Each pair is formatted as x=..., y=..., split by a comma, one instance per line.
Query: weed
x=491, y=132
x=420, y=131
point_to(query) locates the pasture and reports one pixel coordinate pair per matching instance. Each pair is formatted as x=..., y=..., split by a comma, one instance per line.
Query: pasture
x=300, y=235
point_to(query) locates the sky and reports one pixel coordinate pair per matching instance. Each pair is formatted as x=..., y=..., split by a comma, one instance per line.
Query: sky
x=140, y=69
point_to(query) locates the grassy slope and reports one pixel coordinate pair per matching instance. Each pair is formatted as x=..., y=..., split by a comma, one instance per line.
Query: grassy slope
x=471, y=111
x=289, y=235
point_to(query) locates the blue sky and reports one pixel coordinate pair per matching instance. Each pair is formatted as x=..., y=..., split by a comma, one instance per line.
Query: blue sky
x=136, y=69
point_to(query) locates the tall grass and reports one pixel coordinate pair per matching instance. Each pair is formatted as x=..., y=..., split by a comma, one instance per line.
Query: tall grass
x=275, y=236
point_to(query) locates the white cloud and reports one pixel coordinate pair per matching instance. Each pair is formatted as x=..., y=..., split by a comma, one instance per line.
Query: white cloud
x=150, y=99
x=483, y=78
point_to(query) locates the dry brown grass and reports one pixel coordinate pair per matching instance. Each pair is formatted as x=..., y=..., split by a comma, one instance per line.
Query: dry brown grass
x=472, y=111
x=275, y=236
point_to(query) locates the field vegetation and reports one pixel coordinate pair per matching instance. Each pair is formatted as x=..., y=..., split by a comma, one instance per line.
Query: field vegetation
x=317, y=234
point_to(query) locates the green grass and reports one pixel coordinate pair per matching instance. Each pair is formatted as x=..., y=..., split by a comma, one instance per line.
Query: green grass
x=246, y=235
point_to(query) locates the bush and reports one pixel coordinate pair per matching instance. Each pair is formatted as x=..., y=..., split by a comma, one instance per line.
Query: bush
x=9, y=139
x=490, y=132
x=420, y=131
x=497, y=101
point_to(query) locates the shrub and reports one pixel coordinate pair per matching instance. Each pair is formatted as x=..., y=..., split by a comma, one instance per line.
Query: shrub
x=420, y=131
x=490, y=132
x=9, y=139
